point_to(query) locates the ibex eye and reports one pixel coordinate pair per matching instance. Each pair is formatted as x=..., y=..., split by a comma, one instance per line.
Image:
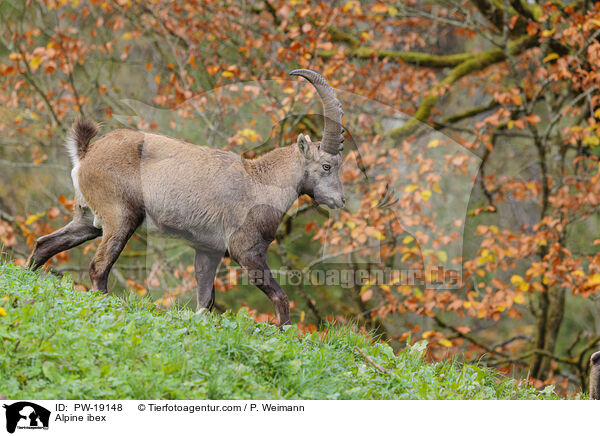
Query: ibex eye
x=326, y=167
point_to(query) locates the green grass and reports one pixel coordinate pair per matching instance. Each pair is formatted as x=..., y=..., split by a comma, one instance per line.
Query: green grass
x=59, y=343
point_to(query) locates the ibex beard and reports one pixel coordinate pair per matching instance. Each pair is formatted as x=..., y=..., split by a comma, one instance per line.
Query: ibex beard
x=216, y=200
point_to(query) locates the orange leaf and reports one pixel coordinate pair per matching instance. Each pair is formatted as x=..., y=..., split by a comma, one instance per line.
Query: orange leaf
x=310, y=226
x=53, y=213
x=366, y=296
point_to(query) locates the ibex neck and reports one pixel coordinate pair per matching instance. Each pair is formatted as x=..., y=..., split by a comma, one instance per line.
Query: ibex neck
x=280, y=168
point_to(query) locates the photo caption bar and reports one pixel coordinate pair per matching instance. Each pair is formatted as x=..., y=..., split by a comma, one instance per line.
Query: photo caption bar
x=249, y=417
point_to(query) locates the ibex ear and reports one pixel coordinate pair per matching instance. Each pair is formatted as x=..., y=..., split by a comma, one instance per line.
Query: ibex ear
x=303, y=145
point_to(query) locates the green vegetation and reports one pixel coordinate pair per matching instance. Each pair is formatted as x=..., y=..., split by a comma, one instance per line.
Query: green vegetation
x=56, y=342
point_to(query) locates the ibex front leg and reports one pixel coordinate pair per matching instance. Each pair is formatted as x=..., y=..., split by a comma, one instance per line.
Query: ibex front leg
x=255, y=263
x=205, y=265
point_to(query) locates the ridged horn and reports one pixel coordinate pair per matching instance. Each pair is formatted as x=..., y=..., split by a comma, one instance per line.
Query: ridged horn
x=332, y=141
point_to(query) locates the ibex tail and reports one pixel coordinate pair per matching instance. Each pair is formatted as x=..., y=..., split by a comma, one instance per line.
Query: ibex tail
x=79, y=138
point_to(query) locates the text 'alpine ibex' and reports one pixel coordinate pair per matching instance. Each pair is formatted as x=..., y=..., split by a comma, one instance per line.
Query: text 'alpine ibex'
x=216, y=200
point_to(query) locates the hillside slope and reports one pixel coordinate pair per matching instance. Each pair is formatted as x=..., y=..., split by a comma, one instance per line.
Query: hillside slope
x=59, y=343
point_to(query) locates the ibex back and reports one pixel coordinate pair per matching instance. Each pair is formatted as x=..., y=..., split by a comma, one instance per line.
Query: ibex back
x=216, y=200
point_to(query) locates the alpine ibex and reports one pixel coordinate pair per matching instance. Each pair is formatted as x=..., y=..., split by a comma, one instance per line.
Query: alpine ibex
x=595, y=376
x=216, y=200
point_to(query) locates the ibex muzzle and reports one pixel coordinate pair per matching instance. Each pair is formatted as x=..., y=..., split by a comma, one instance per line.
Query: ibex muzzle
x=216, y=200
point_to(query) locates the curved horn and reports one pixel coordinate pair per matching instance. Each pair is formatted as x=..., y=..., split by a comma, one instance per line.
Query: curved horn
x=332, y=111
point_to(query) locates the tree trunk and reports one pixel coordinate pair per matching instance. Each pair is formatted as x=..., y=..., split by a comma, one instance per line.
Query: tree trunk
x=550, y=316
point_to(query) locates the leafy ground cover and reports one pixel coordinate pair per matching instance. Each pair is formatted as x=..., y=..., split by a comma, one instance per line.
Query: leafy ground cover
x=56, y=342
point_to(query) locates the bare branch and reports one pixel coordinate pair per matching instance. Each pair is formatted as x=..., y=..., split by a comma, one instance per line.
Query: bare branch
x=476, y=63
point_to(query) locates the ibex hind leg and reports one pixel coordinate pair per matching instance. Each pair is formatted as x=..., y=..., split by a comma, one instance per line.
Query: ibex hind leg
x=115, y=234
x=205, y=266
x=78, y=231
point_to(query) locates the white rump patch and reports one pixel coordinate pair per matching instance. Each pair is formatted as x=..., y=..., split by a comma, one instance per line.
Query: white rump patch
x=75, y=178
x=97, y=222
x=80, y=197
x=71, y=146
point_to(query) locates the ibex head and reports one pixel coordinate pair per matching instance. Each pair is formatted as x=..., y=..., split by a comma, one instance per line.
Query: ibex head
x=323, y=159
